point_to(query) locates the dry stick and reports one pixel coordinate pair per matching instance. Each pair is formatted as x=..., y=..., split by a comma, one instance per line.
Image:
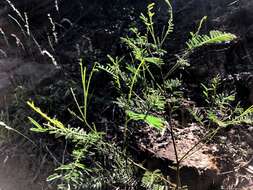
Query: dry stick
x=52, y=155
x=201, y=140
x=27, y=27
x=177, y=160
x=49, y=55
x=19, y=25
x=15, y=10
x=56, y=5
x=53, y=28
x=35, y=177
x=3, y=53
x=2, y=124
x=188, y=153
x=18, y=41
x=4, y=36
x=178, y=180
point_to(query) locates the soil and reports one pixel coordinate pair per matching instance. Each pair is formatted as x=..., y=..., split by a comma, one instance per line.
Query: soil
x=224, y=162
x=23, y=171
x=20, y=167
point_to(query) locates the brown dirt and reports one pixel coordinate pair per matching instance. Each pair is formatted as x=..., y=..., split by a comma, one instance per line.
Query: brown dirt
x=21, y=167
x=200, y=169
x=226, y=161
x=20, y=170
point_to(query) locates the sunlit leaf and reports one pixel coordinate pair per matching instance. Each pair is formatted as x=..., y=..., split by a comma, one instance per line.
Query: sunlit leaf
x=154, y=121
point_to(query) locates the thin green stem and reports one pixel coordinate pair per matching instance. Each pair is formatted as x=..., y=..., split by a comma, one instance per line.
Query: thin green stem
x=134, y=79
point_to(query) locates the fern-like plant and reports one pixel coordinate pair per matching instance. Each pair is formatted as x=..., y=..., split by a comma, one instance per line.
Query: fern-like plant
x=72, y=174
x=153, y=180
x=147, y=94
x=214, y=37
x=147, y=52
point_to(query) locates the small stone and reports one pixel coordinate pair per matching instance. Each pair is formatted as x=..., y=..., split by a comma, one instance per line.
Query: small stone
x=250, y=129
x=223, y=138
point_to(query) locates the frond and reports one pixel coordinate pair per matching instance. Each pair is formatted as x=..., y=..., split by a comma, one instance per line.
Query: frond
x=172, y=84
x=214, y=37
x=55, y=127
x=113, y=69
x=244, y=118
x=170, y=27
x=108, y=69
x=155, y=99
x=153, y=180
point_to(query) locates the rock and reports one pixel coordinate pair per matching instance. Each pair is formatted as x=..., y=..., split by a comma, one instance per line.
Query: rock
x=15, y=72
x=33, y=71
x=199, y=170
x=23, y=170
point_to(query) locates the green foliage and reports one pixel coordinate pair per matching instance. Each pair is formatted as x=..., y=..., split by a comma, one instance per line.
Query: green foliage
x=235, y=118
x=172, y=84
x=220, y=110
x=149, y=23
x=54, y=126
x=156, y=122
x=86, y=87
x=71, y=174
x=213, y=37
x=148, y=95
x=114, y=70
x=215, y=99
x=88, y=144
x=146, y=52
x=153, y=180
x=155, y=100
